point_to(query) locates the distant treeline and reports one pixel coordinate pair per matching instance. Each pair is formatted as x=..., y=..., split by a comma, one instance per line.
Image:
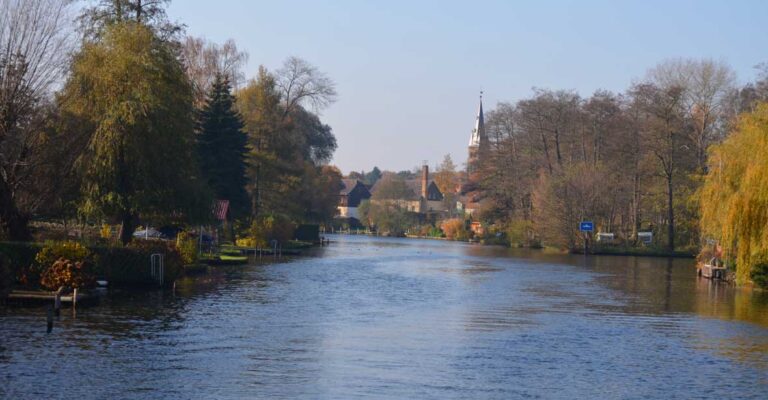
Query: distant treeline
x=632, y=161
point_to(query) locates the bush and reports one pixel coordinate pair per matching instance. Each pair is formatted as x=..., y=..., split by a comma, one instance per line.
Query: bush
x=52, y=252
x=187, y=246
x=68, y=250
x=519, y=233
x=67, y=273
x=455, y=229
x=131, y=265
x=271, y=227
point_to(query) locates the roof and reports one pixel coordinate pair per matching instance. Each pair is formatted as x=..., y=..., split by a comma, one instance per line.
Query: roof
x=348, y=185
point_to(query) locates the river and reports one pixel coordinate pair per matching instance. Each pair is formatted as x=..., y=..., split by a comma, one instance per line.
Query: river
x=404, y=319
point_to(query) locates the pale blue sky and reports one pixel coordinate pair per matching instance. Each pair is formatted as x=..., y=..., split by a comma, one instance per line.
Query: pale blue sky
x=409, y=72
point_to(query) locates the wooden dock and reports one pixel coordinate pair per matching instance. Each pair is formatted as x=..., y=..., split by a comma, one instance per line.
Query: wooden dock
x=710, y=271
x=41, y=297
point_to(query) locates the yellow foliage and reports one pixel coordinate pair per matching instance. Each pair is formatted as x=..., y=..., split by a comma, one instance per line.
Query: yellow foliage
x=105, y=232
x=68, y=250
x=734, y=197
x=246, y=242
x=187, y=246
x=455, y=229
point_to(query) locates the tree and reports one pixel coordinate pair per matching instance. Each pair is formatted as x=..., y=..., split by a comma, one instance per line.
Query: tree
x=33, y=49
x=707, y=94
x=447, y=180
x=222, y=147
x=132, y=90
x=95, y=20
x=204, y=61
x=259, y=104
x=388, y=218
x=286, y=139
x=319, y=194
x=372, y=177
x=393, y=187
x=302, y=83
x=734, y=199
x=667, y=140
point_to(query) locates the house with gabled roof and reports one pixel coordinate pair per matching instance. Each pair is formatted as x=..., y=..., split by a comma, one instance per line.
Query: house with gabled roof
x=352, y=193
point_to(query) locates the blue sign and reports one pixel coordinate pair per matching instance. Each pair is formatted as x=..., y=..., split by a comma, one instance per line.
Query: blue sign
x=586, y=226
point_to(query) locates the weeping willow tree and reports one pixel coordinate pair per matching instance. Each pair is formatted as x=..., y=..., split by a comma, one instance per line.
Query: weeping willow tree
x=131, y=90
x=734, y=197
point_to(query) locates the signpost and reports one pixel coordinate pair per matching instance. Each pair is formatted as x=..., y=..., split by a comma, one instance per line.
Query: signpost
x=586, y=227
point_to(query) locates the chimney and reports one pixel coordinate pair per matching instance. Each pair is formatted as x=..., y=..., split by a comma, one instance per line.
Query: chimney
x=424, y=180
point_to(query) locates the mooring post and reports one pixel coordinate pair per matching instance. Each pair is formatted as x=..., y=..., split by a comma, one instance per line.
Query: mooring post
x=74, y=298
x=57, y=302
x=49, y=319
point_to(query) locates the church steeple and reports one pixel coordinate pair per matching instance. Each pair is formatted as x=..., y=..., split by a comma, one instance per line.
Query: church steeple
x=478, y=142
x=478, y=133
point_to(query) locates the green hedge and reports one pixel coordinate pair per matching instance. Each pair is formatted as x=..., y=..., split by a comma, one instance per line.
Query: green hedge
x=119, y=265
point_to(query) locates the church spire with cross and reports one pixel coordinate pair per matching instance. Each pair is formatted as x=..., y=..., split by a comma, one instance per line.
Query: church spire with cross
x=478, y=142
x=478, y=133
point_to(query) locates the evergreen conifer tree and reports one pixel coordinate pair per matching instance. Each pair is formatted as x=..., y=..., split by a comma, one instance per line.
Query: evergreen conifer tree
x=222, y=147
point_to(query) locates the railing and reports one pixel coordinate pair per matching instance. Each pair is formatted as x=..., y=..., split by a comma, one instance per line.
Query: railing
x=157, y=272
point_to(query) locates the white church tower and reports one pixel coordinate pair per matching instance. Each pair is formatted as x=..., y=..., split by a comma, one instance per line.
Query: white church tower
x=478, y=142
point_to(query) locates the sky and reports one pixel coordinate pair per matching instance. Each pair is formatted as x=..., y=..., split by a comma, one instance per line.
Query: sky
x=409, y=73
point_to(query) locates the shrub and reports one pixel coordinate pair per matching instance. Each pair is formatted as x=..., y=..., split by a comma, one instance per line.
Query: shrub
x=187, y=246
x=171, y=259
x=67, y=273
x=68, y=250
x=455, y=229
x=271, y=227
x=519, y=233
x=130, y=265
x=52, y=252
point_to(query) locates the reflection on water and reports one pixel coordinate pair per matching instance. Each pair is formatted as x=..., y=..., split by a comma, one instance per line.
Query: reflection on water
x=393, y=318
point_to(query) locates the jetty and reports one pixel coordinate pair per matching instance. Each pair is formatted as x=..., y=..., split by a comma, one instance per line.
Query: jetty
x=712, y=270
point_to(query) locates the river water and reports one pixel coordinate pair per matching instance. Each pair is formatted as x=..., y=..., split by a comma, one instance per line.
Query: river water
x=396, y=319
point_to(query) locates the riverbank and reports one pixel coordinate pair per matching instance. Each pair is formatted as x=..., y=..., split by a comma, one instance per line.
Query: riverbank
x=635, y=252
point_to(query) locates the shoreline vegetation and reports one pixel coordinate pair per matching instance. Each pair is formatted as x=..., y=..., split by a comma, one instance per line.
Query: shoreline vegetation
x=593, y=251
x=196, y=153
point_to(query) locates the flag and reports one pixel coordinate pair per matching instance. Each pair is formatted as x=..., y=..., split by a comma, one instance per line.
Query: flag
x=220, y=208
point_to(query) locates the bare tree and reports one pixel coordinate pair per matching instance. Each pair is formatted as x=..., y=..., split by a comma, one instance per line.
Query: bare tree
x=301, y=83
x=204, y=60
x=33, y=52
x=707, y=94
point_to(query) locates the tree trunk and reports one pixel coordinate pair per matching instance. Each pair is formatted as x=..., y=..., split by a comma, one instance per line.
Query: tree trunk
x=670, y=216
x=128, y=227
x=635, y=205
x=12, y=221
